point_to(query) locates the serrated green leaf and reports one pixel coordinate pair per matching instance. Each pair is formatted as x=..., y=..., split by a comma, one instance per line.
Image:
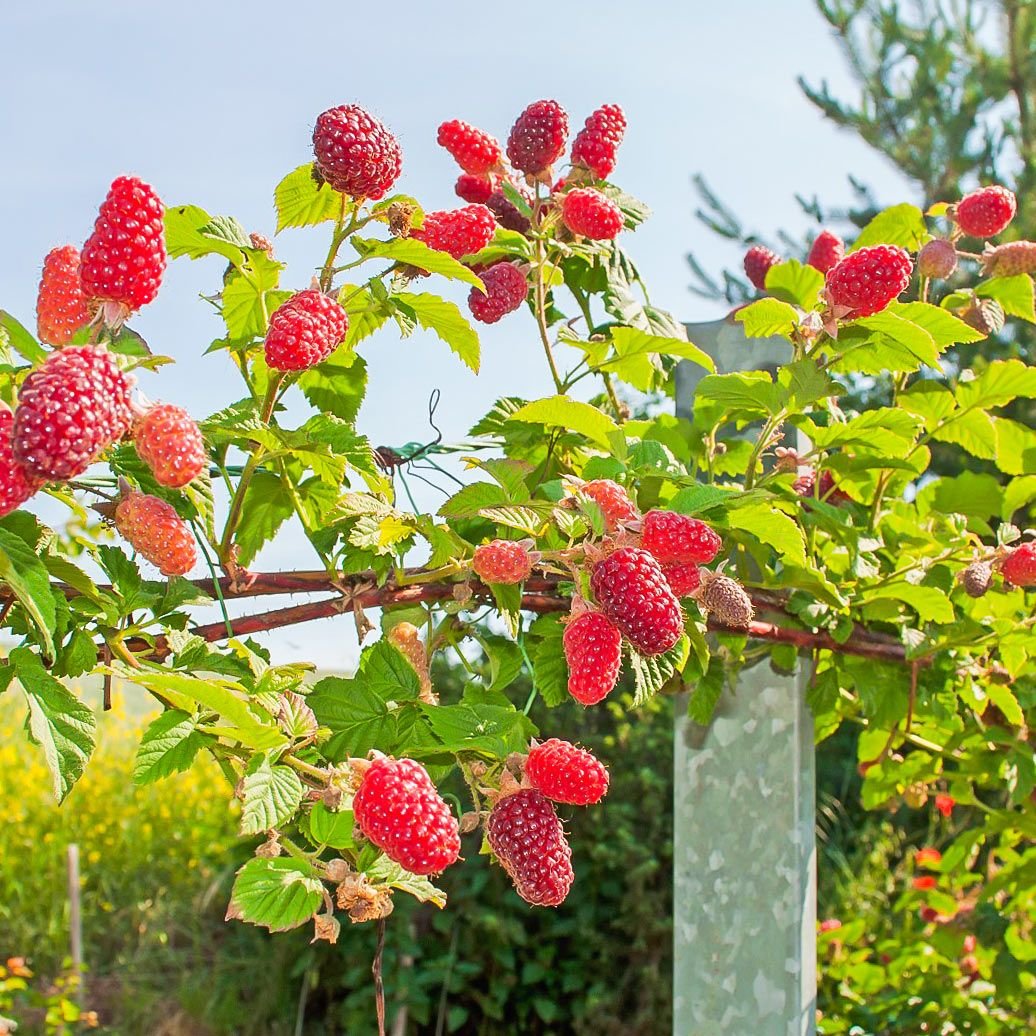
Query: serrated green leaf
x=416, y=253
x=384, y=871
x=772, y=527
x=446, y=321
x=901, y=225
x=271, y=794
x=635, y=348
x=707, y=692
x=25, y=574
x=793, y=282
x=267, y=506
x=1001, y=382
x=334, y=830
x=168, y=746
x=1015, y=294
x=651, y=674
x=277, y=894
x=766, y=317
x=301, y=202
x=21, y=340
x=904, y=333
x=337, y=386
x=944, y=327
x=386, y=673
x=569, y=414
x=358, y=719
x=749, y=392
x=469, y=501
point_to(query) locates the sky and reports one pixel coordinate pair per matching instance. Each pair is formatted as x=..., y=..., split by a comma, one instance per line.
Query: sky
x=213, y=102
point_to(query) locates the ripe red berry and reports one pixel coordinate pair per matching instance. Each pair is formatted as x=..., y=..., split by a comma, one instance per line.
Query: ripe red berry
x=827, y=250
x=944, y=803
x=124, y=258
x=612, y=500
x=70, y=409
x=1019, y=567
x=506, y=289
x=632, y=591
x=599, y=139
x=565, y=773
x=937, y=258
x=1007, y=260
x=60, y=304
x=593, y=651
x=458, y=232
x=537, y=138
x=473, y=150
x=355, y=153
x=527, y=837
x=683, y=579
x=399, y=809
x=587, y=212
x=169, y=441
x=507, y=214
x=304, y=331
x=474, y=189
x=758, y=260
x=502, y=561
x=16, y=485
x=986, y=212
x=673, y=537
x=156, y=531
x=866, y=281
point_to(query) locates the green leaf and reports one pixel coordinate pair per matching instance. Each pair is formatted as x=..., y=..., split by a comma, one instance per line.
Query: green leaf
x=1001, y=382
x=276, y=894
x=191, y=231
x=944, y=327
x=752, y=392
x=336, y=386
x=695, y=499
x=650, y=675
x=446, y=321
x=549, y=669
x=21, y=340
x=772, y=527
x=793, y=282
x=384, y=871
x=301, y=202
x=634, y=349
x=930, y=603
x=901, y=225
x=469, y=501
x=571, y=415
x=904, y=333
x=267, y=506
x=969, y=493
x=58, y=721
x=22, y=570
x=385, y=672
x=885, y=430
x=270, y=795
x=972, y=430
x=358, y=719
x=334, y=830
x=416, y=253
x=169, y=746
x=1013, y=293
x=249, y=298
x=706, y=694
x=1015, y=447
x=766, y=317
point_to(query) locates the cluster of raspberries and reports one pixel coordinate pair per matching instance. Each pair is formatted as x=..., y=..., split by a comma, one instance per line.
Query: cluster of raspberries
x=398, y=809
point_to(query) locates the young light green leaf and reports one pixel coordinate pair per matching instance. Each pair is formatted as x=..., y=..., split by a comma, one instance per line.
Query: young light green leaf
x=793, y=282
x=445, y=319
x=901, y=225
x=277, y=894
x=766, y=317
x=384, y=871
x=302, y=202
x=569, y=414
x=416, y=253
x=25, y=574
x=1015, y=294
x=271, y=794
x=20, y=339
x=169, y=746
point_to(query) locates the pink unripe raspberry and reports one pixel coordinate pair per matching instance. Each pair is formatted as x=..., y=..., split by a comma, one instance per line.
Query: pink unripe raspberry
x=169, y=441
x=157, y=532
x=758, y=260
x=458, y=232
x=474, y=189
x=937, y=258
x=565, y=773
x=506, y=289
x=473, y=150
x=304, y=331
x=355, y=153
x=678, y=538
x=587, y=212
x=538, y=137
x=632, y=591
x=593, y=651
x=527, y=838
x=1019, y=567
x=399, y=809
x=124, y=258
x=598, y=141
x=503, y=561
x=61, y=307
x=613, y=501
x=866, y=281
x=16, y=485
x=70, y=410
x=683, y=578
x=985, y=212
x=828, y=249
x=1009, y=260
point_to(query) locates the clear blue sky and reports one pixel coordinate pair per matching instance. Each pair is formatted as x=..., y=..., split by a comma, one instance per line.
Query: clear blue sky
x=212, y=102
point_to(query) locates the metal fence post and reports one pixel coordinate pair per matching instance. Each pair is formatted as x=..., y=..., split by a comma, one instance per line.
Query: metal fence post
x=744, y=814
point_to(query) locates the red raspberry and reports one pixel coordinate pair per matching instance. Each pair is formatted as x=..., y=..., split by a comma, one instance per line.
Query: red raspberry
x=1007, y=260
x=525, y=834
x=70, y=410
x=1019, y=567
x=124, y=258
x=593, y=650
x=865, y=282
x=944, y=803
x=399, y=809
x=683, y=579
x=502, y=561
x=612, y=500
x=565, y=773
x=985, y=212
x=304, y=331
x=506, y=289
x=60, y=303
x=828, y=249
x=937, y=258
x=458, y=232
x=758, y=260
x=355, y=153
x=596, y=143
x=474, y=189
x=16, y=485
x=507, y=214
x=678, y=538
x=473, y=150
x=537, y=138
x=633, y=593
x=169, y=442
x=156, y=531
x=587, y=212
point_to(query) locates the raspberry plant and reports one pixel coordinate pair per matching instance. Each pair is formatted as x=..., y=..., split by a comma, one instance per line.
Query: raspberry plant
x=585, y=540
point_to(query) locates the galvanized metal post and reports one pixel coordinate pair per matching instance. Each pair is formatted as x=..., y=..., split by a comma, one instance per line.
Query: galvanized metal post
x=744, y=809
